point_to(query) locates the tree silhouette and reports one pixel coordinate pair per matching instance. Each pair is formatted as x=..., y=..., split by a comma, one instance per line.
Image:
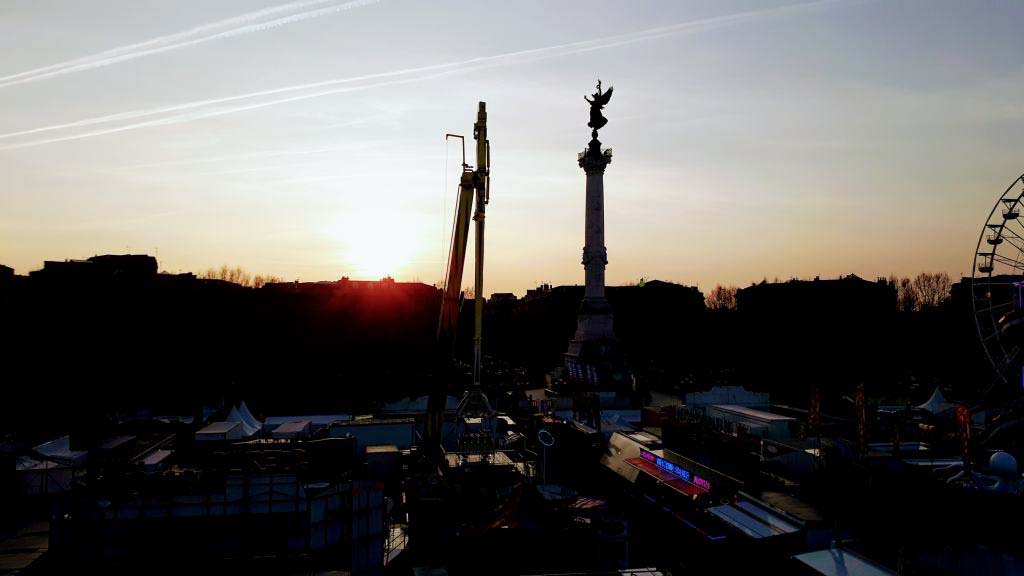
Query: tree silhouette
x=907, y=298
x=259, y=280
x=722, y=298
x=238, y=275
x=932, y=288
x=927, y=289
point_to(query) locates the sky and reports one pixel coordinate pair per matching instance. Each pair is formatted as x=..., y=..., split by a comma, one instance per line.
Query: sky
x=305, y=139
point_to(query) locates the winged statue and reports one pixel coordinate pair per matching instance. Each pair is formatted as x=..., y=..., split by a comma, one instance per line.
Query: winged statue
x=597, y=120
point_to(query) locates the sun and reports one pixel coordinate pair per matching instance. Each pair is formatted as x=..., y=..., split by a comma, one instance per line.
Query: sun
x=374, y=256
x=371, y=247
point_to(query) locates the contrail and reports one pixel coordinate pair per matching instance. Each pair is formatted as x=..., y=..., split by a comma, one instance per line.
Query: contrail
x=201, y=114
x=230, y=27
x=254, y=155
x=183, y=112
x=201, y=29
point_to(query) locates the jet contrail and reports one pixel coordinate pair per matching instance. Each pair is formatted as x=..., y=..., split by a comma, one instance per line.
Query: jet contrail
x=228, y=28
x=363, y=145
x=183, y=112
x=201, y=114
x=201, y=29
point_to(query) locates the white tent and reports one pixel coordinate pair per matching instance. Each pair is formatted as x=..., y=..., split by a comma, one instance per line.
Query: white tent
x=937, y=403
x=247, y=416
x=247, y=430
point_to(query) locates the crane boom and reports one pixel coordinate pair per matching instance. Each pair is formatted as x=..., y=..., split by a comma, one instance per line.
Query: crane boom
x=448, y=322
x=473, y=183
x=481, y=183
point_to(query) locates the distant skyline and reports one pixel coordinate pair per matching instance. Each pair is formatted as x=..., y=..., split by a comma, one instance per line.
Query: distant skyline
x=305, y=139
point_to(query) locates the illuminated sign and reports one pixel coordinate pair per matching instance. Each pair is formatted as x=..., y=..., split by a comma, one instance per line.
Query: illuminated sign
x=675, y=470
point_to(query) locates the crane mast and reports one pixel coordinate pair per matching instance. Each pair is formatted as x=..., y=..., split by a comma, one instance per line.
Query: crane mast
x=474, y=184
x=481, y=183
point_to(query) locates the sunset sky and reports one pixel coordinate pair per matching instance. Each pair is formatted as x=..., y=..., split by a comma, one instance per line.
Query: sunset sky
x=305, y=139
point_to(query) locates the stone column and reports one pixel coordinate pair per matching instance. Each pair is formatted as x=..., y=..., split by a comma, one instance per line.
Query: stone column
x=595, y=319
x=592, y=352
x=595, y=254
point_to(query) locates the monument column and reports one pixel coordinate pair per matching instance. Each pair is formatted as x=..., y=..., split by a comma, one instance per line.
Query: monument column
x=593, y=358
x=595, y=321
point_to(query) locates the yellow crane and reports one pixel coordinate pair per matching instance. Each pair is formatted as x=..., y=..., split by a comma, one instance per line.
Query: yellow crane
x=473, y=185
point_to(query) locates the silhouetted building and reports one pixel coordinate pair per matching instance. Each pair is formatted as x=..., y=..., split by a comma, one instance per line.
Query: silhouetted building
x=345, y=284
x=502, y=297
x=64, y=271
x=6, y=273
x=537, y=292
x=119, y=308
x=135, y=266
x=106, y=267
x=846, y=295
x=804, y=334
x=657, y=323
x=1002, y=288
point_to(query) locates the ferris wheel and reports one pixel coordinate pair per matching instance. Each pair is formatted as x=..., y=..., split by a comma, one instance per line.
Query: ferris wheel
x=997, y=286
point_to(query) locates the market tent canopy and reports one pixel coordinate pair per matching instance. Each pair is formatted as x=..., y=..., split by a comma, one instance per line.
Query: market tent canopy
x=247, y=430
x=937, y=403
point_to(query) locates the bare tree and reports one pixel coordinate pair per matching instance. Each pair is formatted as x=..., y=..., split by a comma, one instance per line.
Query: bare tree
x=721, y=298
x=932, y=288
x=260, y=280
x=238, y=275
x=907, y=297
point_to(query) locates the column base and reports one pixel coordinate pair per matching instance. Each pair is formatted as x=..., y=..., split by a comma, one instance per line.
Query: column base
x=594, y=358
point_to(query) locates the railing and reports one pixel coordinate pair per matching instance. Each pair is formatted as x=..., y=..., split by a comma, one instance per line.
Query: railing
x=606, y=152
x=397, y=540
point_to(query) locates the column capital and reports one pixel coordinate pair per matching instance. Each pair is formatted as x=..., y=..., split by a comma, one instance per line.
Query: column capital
x=594, y=159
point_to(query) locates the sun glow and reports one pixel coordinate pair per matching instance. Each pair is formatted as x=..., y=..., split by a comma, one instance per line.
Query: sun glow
x=376, y=243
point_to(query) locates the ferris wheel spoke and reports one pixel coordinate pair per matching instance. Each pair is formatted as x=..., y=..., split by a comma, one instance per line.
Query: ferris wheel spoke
x=1014, y=228
x=1016, y=264
x=1008, y=231
x=992, y=384
x=1018, y=243
x=1008, y=359
x=995, y=307
x=990, y=336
